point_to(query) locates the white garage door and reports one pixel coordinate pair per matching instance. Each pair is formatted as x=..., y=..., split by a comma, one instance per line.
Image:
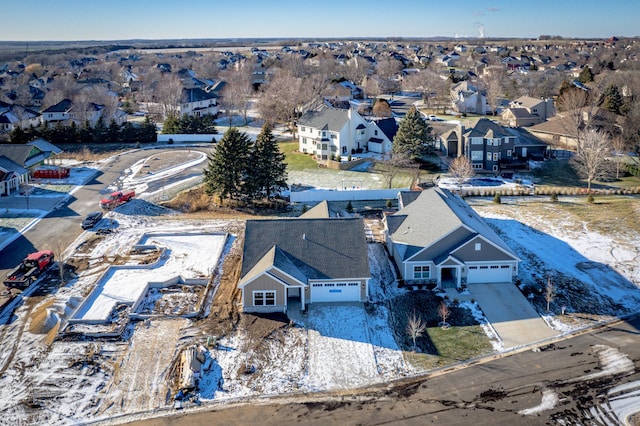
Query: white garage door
x=335, y=292
x=489, y=274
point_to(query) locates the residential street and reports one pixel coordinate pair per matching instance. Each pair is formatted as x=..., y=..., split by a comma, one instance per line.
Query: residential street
x=565, y=383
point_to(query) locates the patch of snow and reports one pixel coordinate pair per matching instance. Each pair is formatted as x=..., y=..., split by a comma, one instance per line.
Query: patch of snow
x=549, y=400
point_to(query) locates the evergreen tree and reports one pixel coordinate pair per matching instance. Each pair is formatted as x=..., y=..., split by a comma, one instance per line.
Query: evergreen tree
x=18, y=136
x=267, y=170
x=171, y=125
x=113, y=132
x=586, y=75
x=227, y=166
x=100, y=131
x=414, y=137
x=613, y=99
x=148, y=132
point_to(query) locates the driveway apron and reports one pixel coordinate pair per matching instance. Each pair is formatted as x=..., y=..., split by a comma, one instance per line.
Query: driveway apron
x=510, y=314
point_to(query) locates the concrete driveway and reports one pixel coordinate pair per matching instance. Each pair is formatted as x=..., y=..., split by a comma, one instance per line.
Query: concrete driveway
x=510, y=314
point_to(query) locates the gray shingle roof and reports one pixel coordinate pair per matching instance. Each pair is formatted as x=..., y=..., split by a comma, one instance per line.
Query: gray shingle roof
x=434, y=214
x=484, y=127
x=326, y=119
x=317, y=248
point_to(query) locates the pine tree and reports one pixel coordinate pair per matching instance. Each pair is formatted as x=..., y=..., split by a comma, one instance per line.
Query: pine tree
x=226, y=171
x=613, y=99
x=585, y=76
x=267, y=170
x=414, y=137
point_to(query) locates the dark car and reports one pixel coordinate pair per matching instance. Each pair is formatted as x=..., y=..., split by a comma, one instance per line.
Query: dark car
x=91, y=220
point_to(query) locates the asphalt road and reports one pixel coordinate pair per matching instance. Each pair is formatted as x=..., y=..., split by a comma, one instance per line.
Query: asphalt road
x=569, y=373
x=63, y=224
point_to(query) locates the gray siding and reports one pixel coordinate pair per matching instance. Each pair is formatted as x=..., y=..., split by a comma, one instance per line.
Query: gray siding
x=263, y=282
x=487, y=253
x=442, y=246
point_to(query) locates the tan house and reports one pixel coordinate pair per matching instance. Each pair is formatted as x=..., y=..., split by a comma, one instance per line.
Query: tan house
x=303, y=261
x=437, y=239
x=527, y=111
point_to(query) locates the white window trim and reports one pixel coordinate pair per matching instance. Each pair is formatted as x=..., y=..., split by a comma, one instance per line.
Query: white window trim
x=262, y=294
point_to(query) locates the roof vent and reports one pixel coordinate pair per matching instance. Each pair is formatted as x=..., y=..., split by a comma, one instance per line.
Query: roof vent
x=304, y=236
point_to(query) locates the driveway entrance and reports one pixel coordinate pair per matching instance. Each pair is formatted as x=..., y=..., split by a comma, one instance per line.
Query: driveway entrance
x=510, y=314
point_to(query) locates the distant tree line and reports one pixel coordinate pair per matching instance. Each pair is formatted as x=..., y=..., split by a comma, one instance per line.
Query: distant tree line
x=100, y=133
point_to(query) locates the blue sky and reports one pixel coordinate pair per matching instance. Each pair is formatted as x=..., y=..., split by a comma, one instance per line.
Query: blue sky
x=163, y=19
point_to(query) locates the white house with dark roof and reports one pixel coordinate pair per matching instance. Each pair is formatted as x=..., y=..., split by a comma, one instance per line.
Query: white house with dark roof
x=197, y=102
x=309, y=260
x=437, y=239
x=331, y=132
x=66, y=111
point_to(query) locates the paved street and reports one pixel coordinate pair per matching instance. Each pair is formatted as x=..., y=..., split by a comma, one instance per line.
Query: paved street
x=561, y=383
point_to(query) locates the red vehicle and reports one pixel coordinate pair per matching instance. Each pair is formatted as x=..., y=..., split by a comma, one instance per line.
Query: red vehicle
x=51, y=172
x=29, y=270
x=116, y=198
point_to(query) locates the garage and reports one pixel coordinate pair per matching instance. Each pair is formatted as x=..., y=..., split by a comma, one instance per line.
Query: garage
x=490, y=273
x=335, y=292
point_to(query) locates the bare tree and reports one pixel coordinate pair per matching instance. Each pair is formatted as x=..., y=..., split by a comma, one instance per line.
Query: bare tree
x=572, y=104
x=168, y=93
x=461, y=170
x=444, y=313
x=549, y=292
x=391, y=165
x=415, y=327
x=58, y=247
x=494, y=91
x=619, y=147
x=592, y=161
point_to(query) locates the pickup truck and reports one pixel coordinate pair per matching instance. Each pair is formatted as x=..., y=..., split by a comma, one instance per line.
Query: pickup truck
x=116, y=198
x=29, y=270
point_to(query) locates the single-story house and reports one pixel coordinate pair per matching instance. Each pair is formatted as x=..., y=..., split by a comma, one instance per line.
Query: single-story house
x=306, y=260
x=437, y=239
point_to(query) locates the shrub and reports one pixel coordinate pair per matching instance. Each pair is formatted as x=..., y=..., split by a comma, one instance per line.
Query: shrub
x=497, y=199
x=590, y=199
x=554, y=197
x=170, y=141
x=349, y=157
x=389, y=204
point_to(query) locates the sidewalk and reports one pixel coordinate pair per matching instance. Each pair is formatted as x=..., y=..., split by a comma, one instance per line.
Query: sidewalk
x=18, y=213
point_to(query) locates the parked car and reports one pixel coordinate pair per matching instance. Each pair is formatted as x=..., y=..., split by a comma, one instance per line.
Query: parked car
x=91, y=220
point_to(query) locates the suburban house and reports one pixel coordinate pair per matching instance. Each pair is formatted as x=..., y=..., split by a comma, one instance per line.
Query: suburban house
x=562, y=132
x=488, y=144
x=303, y=261
x=197, y=102
x=466, y=98
x=437, y=239
x=527, y=111
x=66, y=111
x=18, y=160
x=331, y=132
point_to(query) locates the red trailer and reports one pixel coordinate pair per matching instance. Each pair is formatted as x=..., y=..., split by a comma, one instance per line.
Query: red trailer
x=51, y=172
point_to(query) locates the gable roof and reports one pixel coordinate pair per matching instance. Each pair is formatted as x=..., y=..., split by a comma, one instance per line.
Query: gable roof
x=435, y=213
x=62, y=106
x=320, y=210
x=325, y=119
x=486, y=128
x=389, y=127
x=314, y=248
x=11, y=166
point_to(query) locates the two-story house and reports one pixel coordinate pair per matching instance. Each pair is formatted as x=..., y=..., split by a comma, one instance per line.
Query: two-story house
x=66, y=111
x=466, y=98
x=527, y=111
x=330, y=133
x=487, y=144
x=197, y=102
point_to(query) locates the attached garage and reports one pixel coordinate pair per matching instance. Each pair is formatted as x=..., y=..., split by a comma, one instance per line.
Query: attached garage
x=335, y=292
x=489, y=273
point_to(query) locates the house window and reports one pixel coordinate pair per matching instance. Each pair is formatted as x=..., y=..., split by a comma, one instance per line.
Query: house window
x=304, y=141
x=477, y=166
x=375, y=132
x=420, y=272
x=324, y=134
x=478, y=246
x=476, y=141
x=333, y=136
x=325, y=146
x=476, y=155
x=488, y=156
x=344, y=149
x=495, y=156
x=302, y=129
x=264, y=298
x=508, y=153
